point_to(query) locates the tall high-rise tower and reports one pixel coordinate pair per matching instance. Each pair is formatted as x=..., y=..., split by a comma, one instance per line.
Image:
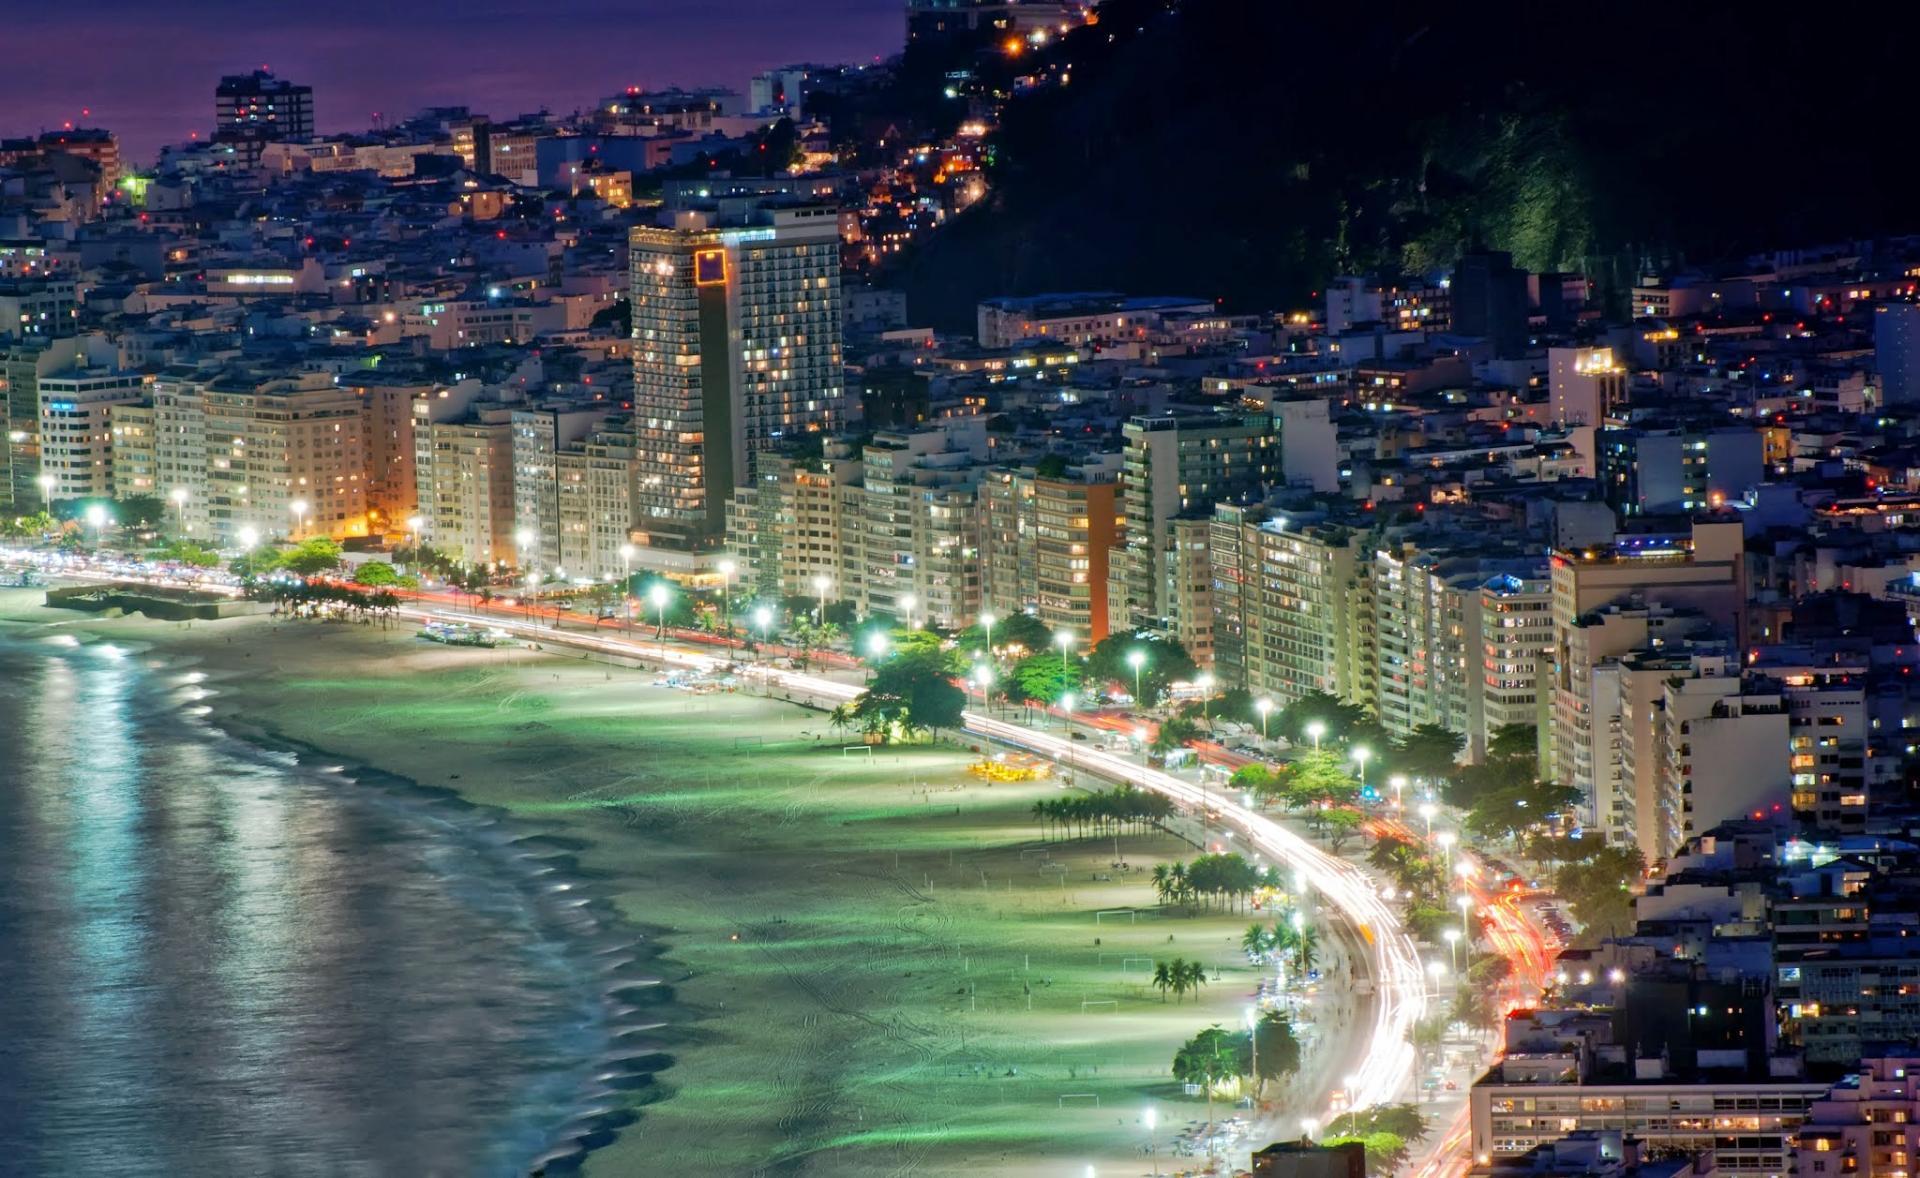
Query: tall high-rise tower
x=736, y=353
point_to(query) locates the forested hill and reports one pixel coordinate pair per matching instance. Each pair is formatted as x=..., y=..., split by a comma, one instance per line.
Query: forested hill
x=1248, y=149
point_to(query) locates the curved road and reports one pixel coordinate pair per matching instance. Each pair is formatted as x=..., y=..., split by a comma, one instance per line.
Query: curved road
x=1387, y=1064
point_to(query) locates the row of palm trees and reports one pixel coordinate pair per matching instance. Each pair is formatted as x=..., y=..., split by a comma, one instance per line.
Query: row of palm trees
x=1283, y=938
x=1180, y=976
x=1227, y=879
x=1124, y=809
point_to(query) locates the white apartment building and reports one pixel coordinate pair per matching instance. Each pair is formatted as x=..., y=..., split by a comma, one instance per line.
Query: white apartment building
x=283, y=457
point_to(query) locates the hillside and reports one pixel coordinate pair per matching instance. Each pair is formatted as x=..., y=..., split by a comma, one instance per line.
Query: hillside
x=1249, y=150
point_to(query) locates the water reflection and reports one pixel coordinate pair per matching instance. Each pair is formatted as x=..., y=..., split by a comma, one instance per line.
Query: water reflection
x=213, y=962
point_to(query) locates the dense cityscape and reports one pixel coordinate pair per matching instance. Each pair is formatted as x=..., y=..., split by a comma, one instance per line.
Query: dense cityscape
x=717, y=633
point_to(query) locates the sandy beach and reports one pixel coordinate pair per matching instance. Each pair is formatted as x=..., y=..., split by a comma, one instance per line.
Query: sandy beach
x=866, y=963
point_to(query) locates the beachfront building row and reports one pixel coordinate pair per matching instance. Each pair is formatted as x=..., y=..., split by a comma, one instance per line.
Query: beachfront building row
x=1428, y=631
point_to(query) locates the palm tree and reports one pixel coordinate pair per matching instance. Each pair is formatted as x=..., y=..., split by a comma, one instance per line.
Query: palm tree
x=1162, y=978
x=1162, y=882
x=1255, y=941
x=1305, y=949
x=1196, y=976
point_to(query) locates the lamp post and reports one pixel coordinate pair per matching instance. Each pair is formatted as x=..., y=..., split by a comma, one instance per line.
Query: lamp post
x=1452, y=938
x=248, y=538
x=727, y=569
x=1399, y=783
x=986, y=623
x=179, y=497
x=907, y=602
x=1264, y=706
x=415, y=524
x=47, y=483
x=626, y=582
x=1466, y=934
x=1064, y=640
x=1137, y=659
x=1066, y=724
x=1316, y=730
x=97, y=520
x=763, y=618
x=820, y=586
x=1205, y=683
x=1253, y=1045
x=1152, y=1118
x=983, y=679
x=533, y=587
x=1446, y=840
x=1427, y=811
x=877, y=648
x=658, y=596
x=1360, y=755
x=299, y=509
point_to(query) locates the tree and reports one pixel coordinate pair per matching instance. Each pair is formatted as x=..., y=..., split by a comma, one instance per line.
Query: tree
x=1257, y=941
x=1317, y=778
x=1163, y=978
x=311, y=557
x=139, y=511
x=1384, y=1151
x=188, y=553
x=376, y=573
x=1341, y=825
x=1598, y=889
x=1213, y=1057
x=1165, y=662
x=1278, y=1049
x=910, y=692
x=1403, y=1120
x=1174, y=732
x=1336, y=714
x=1430, y=750
x=1514, y=741
x=1020, y=633
x=1044, y=677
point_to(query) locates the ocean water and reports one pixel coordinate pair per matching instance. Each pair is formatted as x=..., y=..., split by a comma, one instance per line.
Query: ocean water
x=217, y=959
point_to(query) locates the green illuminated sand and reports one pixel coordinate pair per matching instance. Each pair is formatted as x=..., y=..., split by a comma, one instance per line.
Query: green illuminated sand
x=891, y=913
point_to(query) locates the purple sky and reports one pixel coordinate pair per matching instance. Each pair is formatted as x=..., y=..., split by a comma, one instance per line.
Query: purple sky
x=147, y=68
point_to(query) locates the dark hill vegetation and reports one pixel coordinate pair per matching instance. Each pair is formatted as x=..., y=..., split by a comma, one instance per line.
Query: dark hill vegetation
x=1248, y=150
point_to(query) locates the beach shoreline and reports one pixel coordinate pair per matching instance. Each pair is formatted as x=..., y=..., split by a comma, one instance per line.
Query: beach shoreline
x=819, y=1000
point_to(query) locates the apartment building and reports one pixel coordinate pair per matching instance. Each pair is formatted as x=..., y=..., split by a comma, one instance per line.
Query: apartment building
x=1046, y=539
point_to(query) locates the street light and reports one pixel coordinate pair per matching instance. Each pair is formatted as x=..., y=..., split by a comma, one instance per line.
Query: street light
x=907, y=602
x=1064, y=640
x=727, y=569
x=820, y=585
x=1466, y=906
x=47, y=483
x=97, y=520
x=626, y=582
x=763, y=618
x=1152, y=1118
x=1452, y=938
x=983, y=679
x=415, y=524
x=986, y=623
x=1205, y=684
x=1264, y=706
x=299, y=509
x=1399, y=783
x=877, y=644
x=179, y=497
x=1446, y=840
x=1360, y=755
x=1316, y=729
x=248, y=538
x=1136, y=659
x=1427, y=811
x=1253, y=1045
x=659, y=595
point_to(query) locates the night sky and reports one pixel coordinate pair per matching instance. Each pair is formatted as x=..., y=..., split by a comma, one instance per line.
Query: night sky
x=147, y=68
